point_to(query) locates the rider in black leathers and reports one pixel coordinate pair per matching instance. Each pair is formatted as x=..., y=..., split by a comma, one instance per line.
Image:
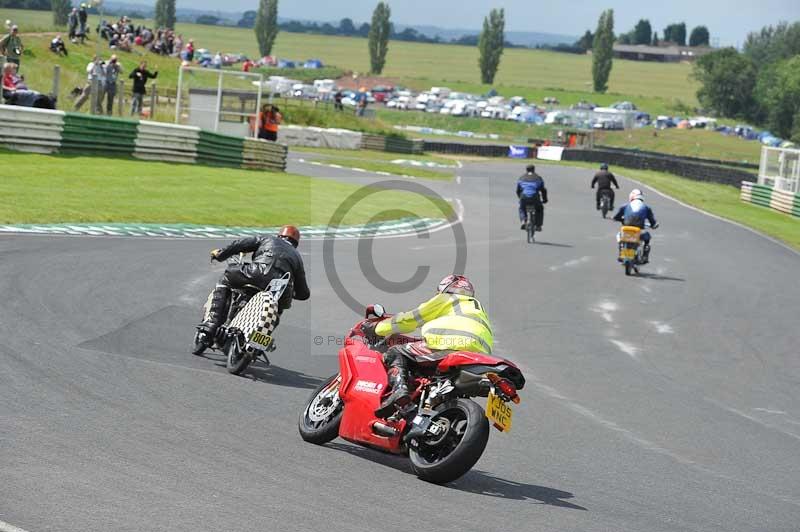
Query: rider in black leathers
x=273, y=256
x=604, y=179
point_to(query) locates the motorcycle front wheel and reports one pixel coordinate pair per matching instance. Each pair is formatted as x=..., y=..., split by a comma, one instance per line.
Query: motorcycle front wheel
x=238, y=358
x=199, y=345
x=320, y=419
x=447, y=457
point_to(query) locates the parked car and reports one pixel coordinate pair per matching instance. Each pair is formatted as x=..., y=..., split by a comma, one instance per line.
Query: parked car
x=624, y=106
x=664, y=122
x=382, y=94
x=583, y=105
x=551, y=100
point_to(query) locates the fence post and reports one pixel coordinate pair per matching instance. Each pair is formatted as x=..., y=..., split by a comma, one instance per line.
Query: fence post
x=56, y=81
x=94, y=97
x=153, y=101
x=120, y=97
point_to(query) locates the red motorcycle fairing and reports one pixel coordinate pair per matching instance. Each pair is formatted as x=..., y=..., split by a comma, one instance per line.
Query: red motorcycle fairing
x=364, y=382
x=466, y=358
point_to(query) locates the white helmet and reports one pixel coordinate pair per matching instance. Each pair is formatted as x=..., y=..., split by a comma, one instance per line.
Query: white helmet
x=636, y=194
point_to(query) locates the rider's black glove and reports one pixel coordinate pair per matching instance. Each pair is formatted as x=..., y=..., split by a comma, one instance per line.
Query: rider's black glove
x=368, y=328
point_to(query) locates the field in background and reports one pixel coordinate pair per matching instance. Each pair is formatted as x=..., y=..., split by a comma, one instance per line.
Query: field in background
x=53, y=189
x=691, y=143
x=436, y=64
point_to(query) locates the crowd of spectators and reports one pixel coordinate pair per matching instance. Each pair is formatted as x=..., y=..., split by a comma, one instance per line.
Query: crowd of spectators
x=124, y=35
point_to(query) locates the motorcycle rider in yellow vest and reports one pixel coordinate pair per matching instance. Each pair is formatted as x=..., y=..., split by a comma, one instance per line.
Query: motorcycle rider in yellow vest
x=452, y=320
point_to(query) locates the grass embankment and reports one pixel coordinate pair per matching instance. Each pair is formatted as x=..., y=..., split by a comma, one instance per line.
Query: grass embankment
x=721, y=200
x=53, y=189
x=690, y=143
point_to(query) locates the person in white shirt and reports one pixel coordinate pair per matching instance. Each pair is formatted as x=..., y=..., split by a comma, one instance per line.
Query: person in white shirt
x=95, y=69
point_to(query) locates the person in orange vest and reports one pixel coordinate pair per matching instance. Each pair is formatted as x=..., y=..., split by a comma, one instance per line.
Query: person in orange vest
x=268, y=120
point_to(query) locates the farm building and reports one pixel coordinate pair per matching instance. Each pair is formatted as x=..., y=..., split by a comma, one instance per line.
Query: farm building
x=667, y=54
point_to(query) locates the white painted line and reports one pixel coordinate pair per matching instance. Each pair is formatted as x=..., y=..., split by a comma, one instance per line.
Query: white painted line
x=770, y=411
x=630, y=350
x=334, y=166
x=358, y=170
x=458, y=163
x=570, y=263
x=606, y=309
x=458, y=179
x=662, y=328
x=6, y=527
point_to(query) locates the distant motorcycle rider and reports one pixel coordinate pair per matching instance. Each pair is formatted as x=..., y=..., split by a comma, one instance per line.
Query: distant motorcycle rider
x=273, y=256
x=452, y=320
x=604, y=179
x=635, y=213
x=531, y=191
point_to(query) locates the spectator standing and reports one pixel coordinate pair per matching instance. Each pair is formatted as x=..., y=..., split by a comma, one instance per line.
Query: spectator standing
x=337, y=101
x=217, y=61
x=190, y=51
x=113, y=70
x=11, y=46
x=95, y=70
x=247, y=65
x=83, y=15
x=140, y=75
x=72, y=24
x=268, y=121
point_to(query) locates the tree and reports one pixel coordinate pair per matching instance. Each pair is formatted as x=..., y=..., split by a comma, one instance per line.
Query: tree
x=585, y=42
x=266, y=26
x=728, y=79
x=642, y=32
x=773, y=43
x=61, y=9
x=165, y=14
x=490, y=44
x=655, y=39
x=379, y=32
x=699, y=36
x=346, y=27
x=676, y=33
x=625, y=38
x=363, y=30
x=779, y=92
x=603, y=51
x=248, y=20
x=208, y=20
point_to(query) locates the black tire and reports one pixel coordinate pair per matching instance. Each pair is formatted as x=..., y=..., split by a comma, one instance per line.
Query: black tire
x=199, y=343
x=430, y=466
x=604, y=210
x=237, y=359
x=326, y=428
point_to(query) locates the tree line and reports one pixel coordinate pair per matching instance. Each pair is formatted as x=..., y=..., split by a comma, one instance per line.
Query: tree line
x=642, y=33
x=760, y=84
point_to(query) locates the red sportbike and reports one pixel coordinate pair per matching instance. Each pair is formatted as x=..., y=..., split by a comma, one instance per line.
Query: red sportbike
x=443, y=431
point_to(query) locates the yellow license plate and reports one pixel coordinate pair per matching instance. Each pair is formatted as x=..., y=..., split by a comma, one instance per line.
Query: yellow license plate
x=260, y=339
x=499, y=412
x=627, y=253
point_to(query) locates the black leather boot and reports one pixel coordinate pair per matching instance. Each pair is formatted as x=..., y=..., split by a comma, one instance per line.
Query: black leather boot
x=646, y=254
x=216, y=313
x=399, y=397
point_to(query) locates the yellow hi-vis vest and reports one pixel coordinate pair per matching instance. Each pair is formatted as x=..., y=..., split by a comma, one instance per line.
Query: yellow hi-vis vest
x=448, y=321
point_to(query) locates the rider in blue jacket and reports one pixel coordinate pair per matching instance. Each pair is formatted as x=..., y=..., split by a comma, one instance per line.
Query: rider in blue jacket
x=531, y=191
x=635, y=213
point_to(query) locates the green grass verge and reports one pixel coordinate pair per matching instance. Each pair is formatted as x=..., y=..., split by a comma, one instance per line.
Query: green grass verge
x=372, y=155
x=685, y=142
x=718, y=199
x=53, y=189
x=397, y=169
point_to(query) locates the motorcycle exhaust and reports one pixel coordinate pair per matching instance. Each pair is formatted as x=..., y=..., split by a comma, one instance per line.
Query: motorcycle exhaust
x=382, y=429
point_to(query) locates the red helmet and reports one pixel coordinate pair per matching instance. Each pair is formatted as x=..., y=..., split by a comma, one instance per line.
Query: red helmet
x=456, y=284
x=290, y=233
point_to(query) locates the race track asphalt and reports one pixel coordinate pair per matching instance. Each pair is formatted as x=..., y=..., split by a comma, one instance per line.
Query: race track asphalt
x=666, y=402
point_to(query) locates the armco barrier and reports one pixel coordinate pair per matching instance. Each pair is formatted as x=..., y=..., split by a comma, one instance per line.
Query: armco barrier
x=316, y=137
x=35, y=130
x=391, y=144
x=785, y=202
x=662, y=163
x=480, y=150
x=45, y=131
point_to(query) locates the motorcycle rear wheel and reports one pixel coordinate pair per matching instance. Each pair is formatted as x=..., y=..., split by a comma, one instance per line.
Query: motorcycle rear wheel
x=628, y=268
x=453, y=454
x=237, y=359
x=320, y=419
